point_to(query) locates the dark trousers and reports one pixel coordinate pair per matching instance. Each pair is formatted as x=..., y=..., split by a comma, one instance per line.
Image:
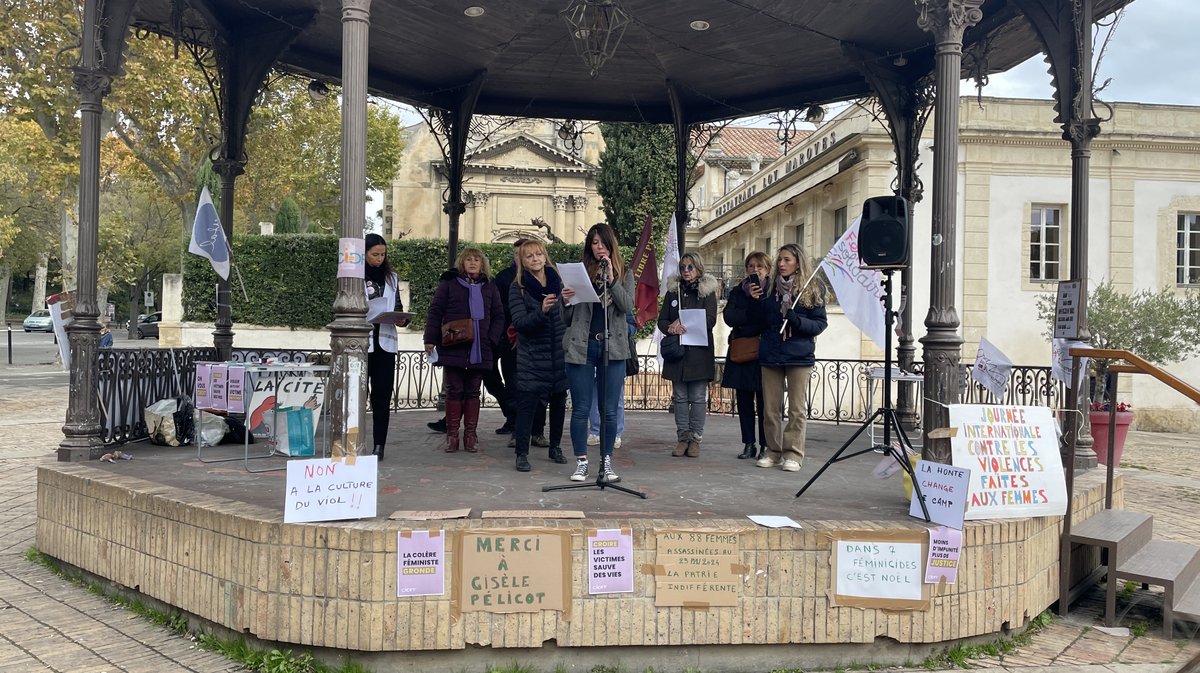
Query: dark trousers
x=749, y=408
x=381, y=375
x=462, y=383
x=532, y=405
x=508, y=367
x=494, y=383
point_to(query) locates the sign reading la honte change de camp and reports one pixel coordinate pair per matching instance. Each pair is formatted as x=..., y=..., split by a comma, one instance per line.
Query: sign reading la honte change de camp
x=1012, y=452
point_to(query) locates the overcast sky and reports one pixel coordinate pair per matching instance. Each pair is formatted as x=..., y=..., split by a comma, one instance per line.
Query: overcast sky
x=1146, y=59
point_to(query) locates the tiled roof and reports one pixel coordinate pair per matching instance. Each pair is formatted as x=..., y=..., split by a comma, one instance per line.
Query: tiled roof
x=739, y=142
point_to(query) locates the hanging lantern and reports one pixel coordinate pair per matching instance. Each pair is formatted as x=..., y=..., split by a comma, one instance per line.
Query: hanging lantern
x=596, y=28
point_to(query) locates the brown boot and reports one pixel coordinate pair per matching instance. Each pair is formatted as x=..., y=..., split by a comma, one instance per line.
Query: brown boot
x=680, y=448
x=693, y=449
x=470, y=424
x=454, y=409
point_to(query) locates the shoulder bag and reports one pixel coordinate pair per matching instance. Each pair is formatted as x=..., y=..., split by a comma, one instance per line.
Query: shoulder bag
x=670, y=349
x=458, y=332
x=743, y=349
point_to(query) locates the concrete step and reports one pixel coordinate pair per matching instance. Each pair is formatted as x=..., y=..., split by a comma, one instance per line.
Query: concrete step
x=1170, y=565
x=1187, y=606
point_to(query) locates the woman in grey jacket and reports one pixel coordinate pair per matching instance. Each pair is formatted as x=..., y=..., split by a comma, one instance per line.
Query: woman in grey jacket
x=591, y=327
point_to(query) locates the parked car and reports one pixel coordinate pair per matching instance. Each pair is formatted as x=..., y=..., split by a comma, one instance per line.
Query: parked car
x=39, y=321
x=148, y=325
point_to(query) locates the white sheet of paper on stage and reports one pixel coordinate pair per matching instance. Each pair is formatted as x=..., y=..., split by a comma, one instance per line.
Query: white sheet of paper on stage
x=575, y=276
x=392, y=317
x=773, y=521
x=1012, y=452
x=331, y=490
x=695, y=321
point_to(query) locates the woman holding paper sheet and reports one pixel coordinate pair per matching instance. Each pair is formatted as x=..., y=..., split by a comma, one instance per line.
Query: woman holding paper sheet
x=380, y=283
x=690, y=375
x=793, y=310
x=591, y=327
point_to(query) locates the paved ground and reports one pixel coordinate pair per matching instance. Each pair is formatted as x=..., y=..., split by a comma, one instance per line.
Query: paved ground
x=48, y=624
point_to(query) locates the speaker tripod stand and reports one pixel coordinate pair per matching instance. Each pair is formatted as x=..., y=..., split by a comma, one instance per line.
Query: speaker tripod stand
x=891, y=422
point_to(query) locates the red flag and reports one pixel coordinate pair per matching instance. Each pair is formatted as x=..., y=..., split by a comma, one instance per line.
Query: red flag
x=645, y=269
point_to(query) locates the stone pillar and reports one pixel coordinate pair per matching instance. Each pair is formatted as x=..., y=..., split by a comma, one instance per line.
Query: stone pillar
x=581, y=222
x=947, y=20
x=81, y=432
x=481, y=231
x=349, y=329
x=559, y=222
x=228, y=170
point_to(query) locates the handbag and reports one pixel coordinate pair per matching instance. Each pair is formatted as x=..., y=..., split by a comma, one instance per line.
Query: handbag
x=458, y=332
x=743, y=349
x=670, y=349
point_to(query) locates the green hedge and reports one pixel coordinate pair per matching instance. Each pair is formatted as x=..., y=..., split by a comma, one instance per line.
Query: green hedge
x=291, y=279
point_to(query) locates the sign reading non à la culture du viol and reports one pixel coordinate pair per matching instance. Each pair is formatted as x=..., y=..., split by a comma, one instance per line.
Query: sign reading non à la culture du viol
x=1012, y=452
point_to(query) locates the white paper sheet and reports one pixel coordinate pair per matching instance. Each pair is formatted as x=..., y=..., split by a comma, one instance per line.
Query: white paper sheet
x=575, y=276
x=772, y=521
x=695, y=321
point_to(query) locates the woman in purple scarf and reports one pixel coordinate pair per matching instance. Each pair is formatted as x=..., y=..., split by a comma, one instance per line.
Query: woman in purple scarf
x=465, y=292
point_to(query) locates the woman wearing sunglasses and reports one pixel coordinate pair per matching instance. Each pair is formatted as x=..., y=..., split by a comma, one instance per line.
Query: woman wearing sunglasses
x=690, y=375
x=793, y=310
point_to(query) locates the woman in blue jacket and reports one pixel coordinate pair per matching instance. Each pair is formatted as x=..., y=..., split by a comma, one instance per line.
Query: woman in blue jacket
x=793, y=315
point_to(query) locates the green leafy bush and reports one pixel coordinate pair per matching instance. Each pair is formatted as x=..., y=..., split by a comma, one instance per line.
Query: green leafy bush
x=291, y=281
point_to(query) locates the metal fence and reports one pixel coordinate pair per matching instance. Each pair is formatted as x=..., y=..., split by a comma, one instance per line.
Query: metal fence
x=839, y=390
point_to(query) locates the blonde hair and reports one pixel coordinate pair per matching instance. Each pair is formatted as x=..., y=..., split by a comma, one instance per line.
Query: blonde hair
x=760, y=256
x=485, y=267
x=812, y=294
x=697, y=262
x=529, y=243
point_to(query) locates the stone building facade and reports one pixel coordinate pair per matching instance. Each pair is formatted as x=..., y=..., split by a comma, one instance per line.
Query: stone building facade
x=1014, y=194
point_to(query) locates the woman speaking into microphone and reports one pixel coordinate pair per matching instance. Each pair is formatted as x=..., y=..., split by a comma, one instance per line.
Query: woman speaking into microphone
x=593, y=327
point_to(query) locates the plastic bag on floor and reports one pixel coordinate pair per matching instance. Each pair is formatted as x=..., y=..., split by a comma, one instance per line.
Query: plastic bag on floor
x=212, y=429
x=169, y=421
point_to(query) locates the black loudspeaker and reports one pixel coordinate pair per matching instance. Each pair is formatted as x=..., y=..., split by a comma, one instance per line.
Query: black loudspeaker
x=883, y=233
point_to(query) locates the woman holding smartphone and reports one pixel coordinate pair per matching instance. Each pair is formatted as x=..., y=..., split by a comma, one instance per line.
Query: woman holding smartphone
x=793, y=316
x=591, y=328
x=743, y=313
x=541, y=377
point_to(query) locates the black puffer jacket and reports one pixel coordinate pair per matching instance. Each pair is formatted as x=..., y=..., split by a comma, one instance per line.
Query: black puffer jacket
x=746, y=318
x=698, y=363
x=540, y=364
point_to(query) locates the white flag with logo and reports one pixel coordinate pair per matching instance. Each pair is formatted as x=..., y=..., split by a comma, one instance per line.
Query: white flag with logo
x=670, y=267
x=991, y=369
x=208, y=237
x=859, y=290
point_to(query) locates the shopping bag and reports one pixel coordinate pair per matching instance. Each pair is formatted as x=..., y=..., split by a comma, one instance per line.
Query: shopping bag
x=299, y=422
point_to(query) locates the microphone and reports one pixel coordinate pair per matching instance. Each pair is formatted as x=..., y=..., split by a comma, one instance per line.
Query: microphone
x=604, y=262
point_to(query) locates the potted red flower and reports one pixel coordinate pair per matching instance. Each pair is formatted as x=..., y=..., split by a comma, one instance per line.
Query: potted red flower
x=1099, y=418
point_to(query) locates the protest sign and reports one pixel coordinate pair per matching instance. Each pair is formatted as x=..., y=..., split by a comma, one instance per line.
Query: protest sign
x=329, y=490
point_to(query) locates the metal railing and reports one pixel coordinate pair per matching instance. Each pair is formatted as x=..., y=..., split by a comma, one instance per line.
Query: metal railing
x=130, y=380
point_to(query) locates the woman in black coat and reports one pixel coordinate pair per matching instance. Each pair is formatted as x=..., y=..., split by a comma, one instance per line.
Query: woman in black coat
x=690, y=375
x=465, y=293
x=743, y=313
x=541, y=376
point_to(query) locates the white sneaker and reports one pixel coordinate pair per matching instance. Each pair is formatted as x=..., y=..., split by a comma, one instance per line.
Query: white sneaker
x=606, y=471
x=581, y=470
x=790, y=466
x=593, y=440
x=617, y=443
x=766, y=461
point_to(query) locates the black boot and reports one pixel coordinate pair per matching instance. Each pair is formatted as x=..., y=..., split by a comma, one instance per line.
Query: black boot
x=556, y=455
x=523, y=463
x=378, y=451
x=438, y=426
x=762, y=451
x=748, y=451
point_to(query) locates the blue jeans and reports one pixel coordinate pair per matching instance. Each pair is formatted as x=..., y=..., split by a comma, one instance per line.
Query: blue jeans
x=690, y=399
x=594, y=416
x=584, y=380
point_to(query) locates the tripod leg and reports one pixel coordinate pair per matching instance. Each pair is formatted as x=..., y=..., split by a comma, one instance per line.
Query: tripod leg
x=901, y=457
x=837, y=454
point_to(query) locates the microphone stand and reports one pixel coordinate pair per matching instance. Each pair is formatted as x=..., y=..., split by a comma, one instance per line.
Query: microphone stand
x=600, y=405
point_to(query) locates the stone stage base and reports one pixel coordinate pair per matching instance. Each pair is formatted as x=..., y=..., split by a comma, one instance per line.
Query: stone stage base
x=210, y=540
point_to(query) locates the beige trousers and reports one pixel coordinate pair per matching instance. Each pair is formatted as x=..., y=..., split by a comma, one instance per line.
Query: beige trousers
x=785, y=442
